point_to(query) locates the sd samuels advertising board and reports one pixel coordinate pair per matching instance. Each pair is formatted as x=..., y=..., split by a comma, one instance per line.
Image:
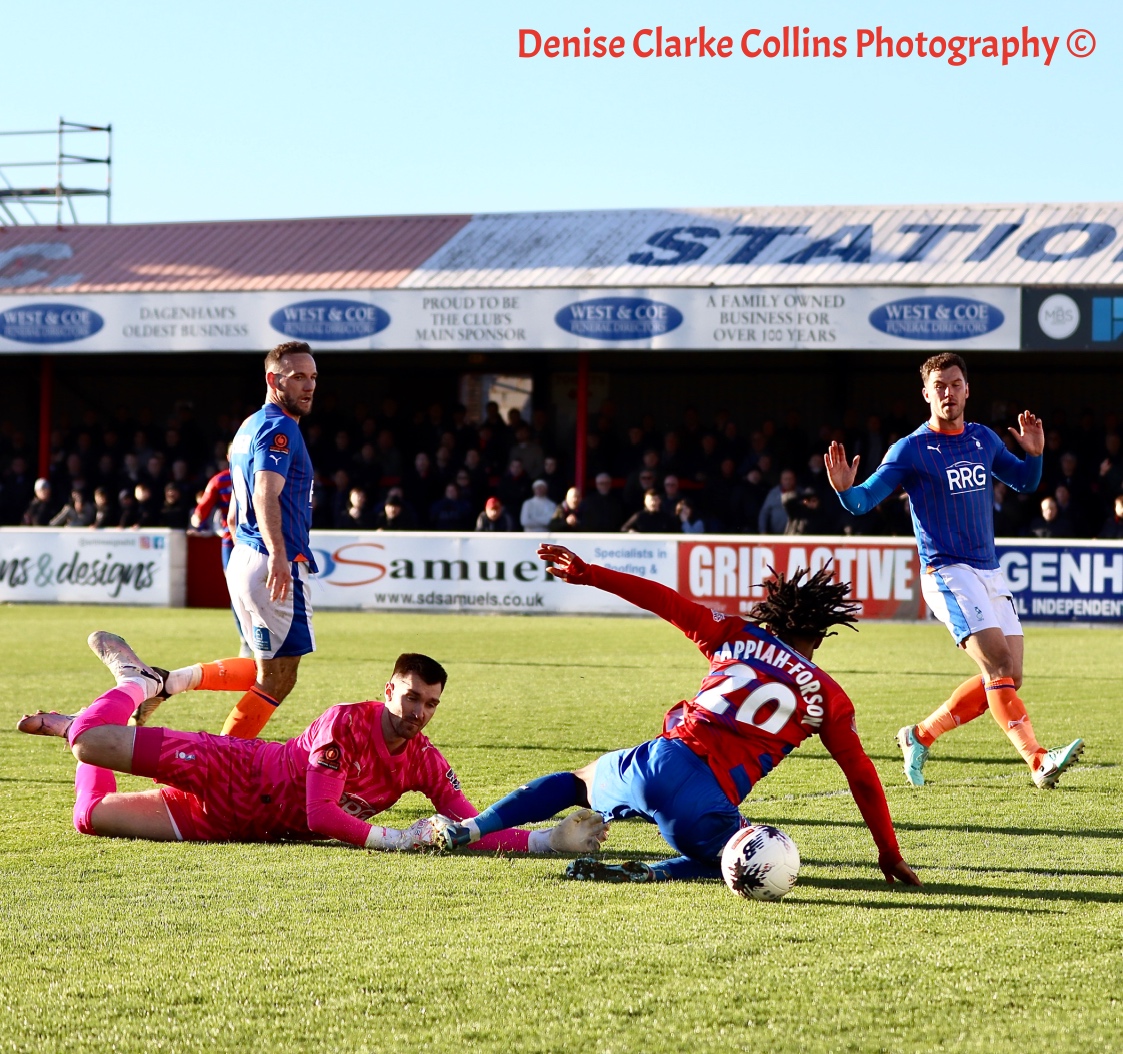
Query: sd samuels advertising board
x=72, y=566
x=436, y=571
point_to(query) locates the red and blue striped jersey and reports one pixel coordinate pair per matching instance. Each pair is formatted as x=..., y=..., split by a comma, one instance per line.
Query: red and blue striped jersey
x=216, y=498
x=270, y=441
x=949, y=480
x=759, y=700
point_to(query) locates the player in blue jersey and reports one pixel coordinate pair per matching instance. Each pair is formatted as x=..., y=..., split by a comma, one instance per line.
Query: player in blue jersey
x=270, y=516
x=947, y=467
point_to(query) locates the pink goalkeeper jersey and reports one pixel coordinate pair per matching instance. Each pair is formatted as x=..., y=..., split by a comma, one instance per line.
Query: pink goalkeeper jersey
x=268, y=784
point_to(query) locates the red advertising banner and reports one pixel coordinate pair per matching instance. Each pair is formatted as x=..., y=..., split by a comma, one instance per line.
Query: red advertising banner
x=727, y=574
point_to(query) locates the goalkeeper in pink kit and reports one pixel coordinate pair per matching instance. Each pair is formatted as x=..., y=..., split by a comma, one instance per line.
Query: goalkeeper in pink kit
x=354, y=761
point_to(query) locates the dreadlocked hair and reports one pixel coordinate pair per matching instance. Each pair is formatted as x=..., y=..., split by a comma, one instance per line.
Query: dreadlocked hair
x=796, y=608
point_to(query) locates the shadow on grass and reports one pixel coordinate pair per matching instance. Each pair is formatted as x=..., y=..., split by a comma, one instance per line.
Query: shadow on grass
x=1045, y=872
x=964, y=889
x=962, y=828
x=976, y=760
x=917, y=903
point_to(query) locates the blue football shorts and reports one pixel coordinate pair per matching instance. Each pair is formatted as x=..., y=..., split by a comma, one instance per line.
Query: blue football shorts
x=664, y=782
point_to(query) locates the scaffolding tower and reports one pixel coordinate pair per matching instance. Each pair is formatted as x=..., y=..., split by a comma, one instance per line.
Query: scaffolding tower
x=27, y=197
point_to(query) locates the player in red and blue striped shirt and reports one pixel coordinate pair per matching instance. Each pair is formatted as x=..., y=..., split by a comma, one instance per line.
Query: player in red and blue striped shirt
x=762, y=698
x=947, y=467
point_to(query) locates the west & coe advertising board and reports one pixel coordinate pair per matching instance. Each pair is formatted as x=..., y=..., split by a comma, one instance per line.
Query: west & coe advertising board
x=713, y=318
x=43, y=565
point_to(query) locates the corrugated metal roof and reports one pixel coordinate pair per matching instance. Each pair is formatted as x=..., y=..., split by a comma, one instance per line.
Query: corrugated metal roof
x=914, y=245
x=318, y=254
x=1074, y=244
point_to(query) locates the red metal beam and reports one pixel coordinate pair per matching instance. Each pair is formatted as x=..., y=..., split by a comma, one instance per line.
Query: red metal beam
x=46, y=400
x=582, y=419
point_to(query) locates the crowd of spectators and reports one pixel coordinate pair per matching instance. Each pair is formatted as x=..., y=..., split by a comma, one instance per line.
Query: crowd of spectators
x=433, y=469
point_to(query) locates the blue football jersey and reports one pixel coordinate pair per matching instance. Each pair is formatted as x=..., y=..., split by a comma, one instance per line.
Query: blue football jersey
x=270, y=441
x=949, y=481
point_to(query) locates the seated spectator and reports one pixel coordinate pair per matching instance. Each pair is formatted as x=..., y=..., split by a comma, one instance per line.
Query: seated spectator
x=672, y=491
x=358, y=514
x=147, y=507
x=176, y=510
x=77, y=512
x=105, y=511
x=601, y=510
x=568, y=516
x=1006, y=513
x=1067, y=513
x=389, y=457
x=466, y=491
x=805, y=512
x=476, y=474
x=747, y=500
x=395, y=514
x=38, y=513
x=689, y=520
x=528, y=451
x=773, y=519
x=494, y=517
x=1112, y=528
x=537, y=511
x=652, y=519
x=1049, y=523
x=420, y=487
x=365, y=470
x=452, y=512
x=17, y=488
x=640, y=482
x=555, y=481
x=129, y=512
x=514, y=486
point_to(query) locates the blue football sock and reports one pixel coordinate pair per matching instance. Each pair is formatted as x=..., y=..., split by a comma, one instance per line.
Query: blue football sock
x=537, y=800
x=683, y=868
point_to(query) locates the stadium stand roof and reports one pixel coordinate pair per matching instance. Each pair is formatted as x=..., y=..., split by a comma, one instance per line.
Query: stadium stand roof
x=1017, y=245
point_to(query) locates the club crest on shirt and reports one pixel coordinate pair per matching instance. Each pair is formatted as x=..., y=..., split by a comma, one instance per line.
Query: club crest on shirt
x=328, y=757
x=453, y=779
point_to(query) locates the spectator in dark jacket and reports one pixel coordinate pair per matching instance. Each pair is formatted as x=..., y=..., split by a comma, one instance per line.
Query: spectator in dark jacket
x=452, y=512
x=77, y=512
x=1113, y=526
x=495, y=517
x=1049, y=524
x=38, y=513
x=601, y=510
x=652, y=519
x=395, y=514
x=176, y=511
x=805, y=512
x=569, y=515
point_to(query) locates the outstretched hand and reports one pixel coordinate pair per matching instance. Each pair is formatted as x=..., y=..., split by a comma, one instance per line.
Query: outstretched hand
x=1030, y=434
x=567, y=565
x=901, y=872
x=840, y=472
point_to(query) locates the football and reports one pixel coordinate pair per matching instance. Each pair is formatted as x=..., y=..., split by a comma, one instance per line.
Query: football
x=760, y=863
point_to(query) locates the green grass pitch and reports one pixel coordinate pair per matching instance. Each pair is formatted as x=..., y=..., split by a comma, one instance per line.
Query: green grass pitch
x=1015, y=945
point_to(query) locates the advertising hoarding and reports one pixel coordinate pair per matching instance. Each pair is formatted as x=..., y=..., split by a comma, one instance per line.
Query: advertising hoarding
x=73, y=566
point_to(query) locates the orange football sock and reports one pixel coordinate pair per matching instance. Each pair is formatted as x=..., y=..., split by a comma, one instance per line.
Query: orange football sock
x=967, y=702
x=250, y=715
x=1010, y=713
x=228, y=675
